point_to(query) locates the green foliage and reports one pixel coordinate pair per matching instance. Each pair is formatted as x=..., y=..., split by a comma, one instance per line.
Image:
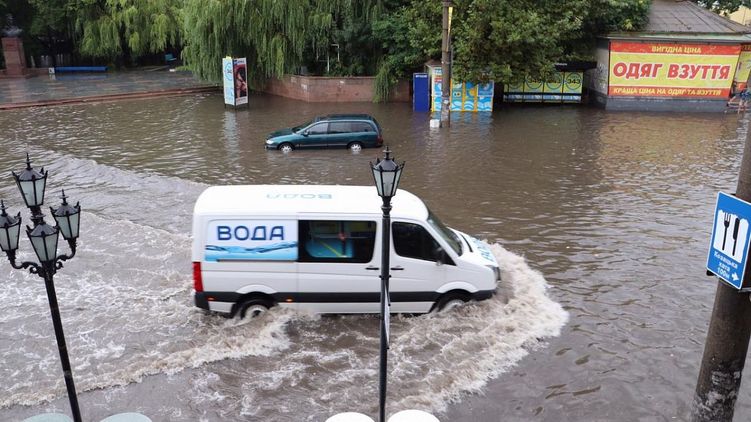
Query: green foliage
x=615, y=15
x=502, y=40
x=724, y=7
x=410, y=35
x=52, y=17
x=383, y=83
x=279, y=36
x=110, y=28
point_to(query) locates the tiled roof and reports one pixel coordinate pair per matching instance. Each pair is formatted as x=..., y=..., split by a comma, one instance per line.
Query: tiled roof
x=681, y=16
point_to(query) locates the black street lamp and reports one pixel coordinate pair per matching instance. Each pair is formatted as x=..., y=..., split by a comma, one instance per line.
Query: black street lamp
x=386, y=174
x=43, y=239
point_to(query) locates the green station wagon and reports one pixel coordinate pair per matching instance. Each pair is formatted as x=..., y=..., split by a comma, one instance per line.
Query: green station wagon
x=352, y=131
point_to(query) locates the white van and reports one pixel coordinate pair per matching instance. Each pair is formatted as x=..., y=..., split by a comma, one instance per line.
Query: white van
x=317, y=248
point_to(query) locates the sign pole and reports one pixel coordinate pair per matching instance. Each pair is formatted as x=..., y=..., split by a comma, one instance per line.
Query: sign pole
x=446, y=68
x=728, y=337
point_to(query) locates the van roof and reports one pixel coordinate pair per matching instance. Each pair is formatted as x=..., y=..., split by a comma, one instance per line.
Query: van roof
x=299, y=199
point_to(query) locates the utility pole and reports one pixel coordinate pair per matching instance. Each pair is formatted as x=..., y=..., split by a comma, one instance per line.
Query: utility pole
x=727, y=340
x=446, y=67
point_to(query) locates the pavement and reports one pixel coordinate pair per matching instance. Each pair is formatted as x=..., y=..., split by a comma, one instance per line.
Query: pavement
x=66, y=88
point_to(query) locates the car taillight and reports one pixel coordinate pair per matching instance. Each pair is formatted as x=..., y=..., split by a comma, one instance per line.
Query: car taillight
x=197, y=279
x=380, y=140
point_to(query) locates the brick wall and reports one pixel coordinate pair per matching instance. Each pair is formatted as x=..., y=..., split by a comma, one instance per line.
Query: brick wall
x=328, y=89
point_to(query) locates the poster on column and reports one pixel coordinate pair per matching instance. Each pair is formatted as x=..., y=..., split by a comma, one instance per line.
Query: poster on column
x=671, y=70
x=744, y=67
x=240, y=73
x=228, y=81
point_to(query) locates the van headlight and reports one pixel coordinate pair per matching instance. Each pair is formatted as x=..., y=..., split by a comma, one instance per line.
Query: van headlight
x=496, y=271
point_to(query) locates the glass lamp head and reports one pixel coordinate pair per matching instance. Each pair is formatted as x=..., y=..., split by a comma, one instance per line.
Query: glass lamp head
x=31, y=183
x=68, y=218
x=386, y=174
x=10, y=227
x=44, y=240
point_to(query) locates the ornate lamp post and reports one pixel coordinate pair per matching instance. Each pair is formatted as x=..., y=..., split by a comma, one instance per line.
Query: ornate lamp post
x=43, y=237
x=386, y=174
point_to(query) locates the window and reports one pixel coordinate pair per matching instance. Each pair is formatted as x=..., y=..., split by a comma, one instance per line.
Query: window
x=336, y=241
x=413, y=241
x=362, y=127
x=318, y=129
x=340, y=127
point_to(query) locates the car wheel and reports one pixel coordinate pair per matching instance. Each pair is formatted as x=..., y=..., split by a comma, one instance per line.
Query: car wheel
x=355, y=147
x=450, y=301
x=286, y=147
x=253, y=308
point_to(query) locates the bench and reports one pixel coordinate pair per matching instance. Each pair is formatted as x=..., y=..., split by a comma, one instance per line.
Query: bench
x=72, y=69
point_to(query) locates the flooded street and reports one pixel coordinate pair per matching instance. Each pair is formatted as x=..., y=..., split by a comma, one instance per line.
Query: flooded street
x=614, y=210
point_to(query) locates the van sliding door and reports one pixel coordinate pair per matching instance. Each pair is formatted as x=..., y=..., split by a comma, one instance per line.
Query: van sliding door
x=337, y=267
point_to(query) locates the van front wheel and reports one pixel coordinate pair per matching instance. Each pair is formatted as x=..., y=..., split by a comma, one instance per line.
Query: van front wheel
x=450, y=301
x=253, y=308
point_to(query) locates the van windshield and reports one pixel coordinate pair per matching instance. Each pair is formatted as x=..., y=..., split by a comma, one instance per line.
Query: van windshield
x=446, y=233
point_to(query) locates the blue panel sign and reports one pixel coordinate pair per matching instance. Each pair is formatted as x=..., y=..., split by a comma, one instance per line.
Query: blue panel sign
x=251, y=240
x=728, y=248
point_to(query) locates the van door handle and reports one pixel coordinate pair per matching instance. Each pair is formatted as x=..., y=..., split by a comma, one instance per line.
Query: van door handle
x=372, y=268
x=397, y=268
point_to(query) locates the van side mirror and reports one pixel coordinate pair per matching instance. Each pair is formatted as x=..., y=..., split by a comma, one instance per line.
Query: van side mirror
x=440, y=256
x=305, y=133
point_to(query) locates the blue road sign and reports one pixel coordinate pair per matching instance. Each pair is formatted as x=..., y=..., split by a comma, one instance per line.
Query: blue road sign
x=728, y=249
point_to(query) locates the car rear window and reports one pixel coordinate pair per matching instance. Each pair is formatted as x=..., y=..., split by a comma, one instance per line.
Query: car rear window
x=362, y=127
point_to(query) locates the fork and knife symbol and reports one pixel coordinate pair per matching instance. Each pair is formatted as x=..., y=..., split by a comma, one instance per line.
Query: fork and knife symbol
x=736, y=225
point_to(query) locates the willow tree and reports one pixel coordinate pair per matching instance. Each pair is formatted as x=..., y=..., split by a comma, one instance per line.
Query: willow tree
x=275, y=36
x=127, y=28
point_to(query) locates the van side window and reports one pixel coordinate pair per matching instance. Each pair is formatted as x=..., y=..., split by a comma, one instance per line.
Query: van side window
x=336, y=241
x=413, y=241
x=318, y=129
x=340, y=127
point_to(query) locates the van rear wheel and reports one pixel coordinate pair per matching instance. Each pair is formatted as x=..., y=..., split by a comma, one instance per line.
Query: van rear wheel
x=450, y=301
x=355, y=147
x=253, y=307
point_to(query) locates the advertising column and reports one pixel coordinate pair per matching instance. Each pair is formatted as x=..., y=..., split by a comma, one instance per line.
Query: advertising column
x=235, y=81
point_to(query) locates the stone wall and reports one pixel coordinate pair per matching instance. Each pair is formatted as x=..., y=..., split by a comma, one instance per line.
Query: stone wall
x=15, y=59
x=332, y=89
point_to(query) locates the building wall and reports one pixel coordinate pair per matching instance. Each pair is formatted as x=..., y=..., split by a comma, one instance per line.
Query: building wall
x=332, y=89
x=742, y=16
x=596, y=79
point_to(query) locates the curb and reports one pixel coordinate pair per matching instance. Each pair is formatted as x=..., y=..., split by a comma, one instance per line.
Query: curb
x=110, y=97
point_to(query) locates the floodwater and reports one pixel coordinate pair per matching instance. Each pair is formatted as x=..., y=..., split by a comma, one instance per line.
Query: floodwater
x=600, y=220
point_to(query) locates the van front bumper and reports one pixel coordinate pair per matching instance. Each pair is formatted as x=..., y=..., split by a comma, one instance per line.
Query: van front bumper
x=483, y=294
